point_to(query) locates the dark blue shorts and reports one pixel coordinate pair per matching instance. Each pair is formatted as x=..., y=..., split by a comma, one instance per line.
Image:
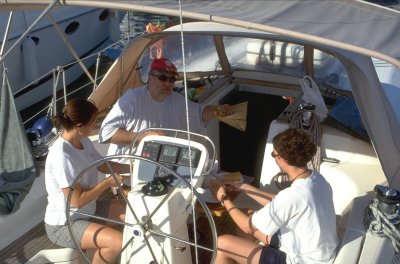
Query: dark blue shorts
x=270, y=255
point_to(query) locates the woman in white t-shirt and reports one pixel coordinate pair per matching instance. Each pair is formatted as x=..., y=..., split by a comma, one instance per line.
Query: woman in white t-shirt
x=301, y=216
x=68, y=156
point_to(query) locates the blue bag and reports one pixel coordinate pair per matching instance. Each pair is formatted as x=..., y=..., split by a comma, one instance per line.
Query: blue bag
x=346, y=112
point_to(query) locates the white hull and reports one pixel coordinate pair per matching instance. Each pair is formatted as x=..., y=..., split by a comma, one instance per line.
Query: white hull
x=30, y=65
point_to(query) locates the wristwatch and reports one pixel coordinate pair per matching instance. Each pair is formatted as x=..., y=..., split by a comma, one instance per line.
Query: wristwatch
x=223, y=198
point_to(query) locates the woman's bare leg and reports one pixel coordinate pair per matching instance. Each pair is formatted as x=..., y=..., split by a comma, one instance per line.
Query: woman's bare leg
x=117, y=210
x=107, y=241
x=232, y=249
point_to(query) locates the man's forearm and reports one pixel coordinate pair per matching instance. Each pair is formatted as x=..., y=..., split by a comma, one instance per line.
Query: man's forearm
x=123, y=137
x=208, y=112
x=262, y=197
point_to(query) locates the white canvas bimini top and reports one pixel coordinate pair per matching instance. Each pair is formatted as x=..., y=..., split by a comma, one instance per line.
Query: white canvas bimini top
x=353, y=25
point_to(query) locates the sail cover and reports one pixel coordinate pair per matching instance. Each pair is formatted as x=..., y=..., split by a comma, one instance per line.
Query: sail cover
x=17, y=165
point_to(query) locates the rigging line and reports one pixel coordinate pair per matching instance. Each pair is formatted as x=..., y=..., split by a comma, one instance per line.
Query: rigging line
x=70, y=64
x=55, y=85
x=70, y=47
x=193, y=200
x=51, y=103
x=6, y=33
x=64, y=87
x=185, y=81
x=185, y=88
x=97, y=70
x=314, y=132
x=22, y=37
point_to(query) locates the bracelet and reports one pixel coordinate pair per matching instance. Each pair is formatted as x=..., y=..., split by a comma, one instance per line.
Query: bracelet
x=223, y=198
x=233, y=207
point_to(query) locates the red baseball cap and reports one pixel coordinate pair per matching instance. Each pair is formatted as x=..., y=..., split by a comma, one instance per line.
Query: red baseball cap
x=163, y=65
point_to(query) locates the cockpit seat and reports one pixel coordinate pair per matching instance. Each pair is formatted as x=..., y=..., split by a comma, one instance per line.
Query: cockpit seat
x=348, y=164
x=351, y=168
x=58, y=255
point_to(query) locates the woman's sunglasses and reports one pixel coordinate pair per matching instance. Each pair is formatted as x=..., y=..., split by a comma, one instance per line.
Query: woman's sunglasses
x=163, y=78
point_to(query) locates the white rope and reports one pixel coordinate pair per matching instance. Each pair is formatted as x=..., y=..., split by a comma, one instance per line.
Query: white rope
x=382, y=224
x=56, y=76
x=188, y=131
x=97, y=71
x=122, y=41
x=50, y=106
x=64, y=86
x=314, y=132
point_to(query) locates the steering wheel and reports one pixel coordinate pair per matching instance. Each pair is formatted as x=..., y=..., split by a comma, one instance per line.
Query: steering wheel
x=142, y=229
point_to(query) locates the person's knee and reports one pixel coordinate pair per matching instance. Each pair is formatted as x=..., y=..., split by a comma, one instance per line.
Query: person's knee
x=113, y=241
x=224, y=241
x=117, y=241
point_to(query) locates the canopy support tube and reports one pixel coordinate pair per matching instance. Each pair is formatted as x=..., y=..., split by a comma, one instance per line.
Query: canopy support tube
x=309, y=60
x=69, y=46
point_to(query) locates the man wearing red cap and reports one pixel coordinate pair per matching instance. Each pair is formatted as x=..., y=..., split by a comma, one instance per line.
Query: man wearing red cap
x=154, y=105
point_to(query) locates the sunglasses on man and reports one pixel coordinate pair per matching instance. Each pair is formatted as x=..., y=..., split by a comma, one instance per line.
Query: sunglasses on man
x=163, y=77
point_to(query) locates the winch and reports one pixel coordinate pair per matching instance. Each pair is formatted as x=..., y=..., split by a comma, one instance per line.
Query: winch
x=382, y=218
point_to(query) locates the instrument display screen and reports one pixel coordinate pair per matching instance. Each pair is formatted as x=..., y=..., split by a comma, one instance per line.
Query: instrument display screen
x=151, y=150
x=169, y=153
x=172, y=154
x=184, y=157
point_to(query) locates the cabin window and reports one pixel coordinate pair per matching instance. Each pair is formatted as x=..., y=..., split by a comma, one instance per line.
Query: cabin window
x=265, y=55
x=330, y=71
x=36, y=40
x=200, y=53
x=72, y=28
x=104, y=15
x=279, y=57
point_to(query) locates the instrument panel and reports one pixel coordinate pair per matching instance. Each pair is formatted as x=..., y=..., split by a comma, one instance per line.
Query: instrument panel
x=171, y=154
x=174, y=156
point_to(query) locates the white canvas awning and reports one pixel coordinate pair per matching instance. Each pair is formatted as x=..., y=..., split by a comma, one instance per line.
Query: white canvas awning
x=353, y=25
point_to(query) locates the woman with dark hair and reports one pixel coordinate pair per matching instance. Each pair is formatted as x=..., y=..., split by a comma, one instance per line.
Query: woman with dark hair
x=68, y=156
x=301, y=216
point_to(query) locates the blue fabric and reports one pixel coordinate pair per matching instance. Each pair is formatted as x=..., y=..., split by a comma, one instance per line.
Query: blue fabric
x=346, y=112
x=270, y=255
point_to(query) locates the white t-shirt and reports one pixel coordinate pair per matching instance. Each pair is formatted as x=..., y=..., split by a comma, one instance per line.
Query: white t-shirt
x=305, y=216
x=136, y=110
x=63, y=164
